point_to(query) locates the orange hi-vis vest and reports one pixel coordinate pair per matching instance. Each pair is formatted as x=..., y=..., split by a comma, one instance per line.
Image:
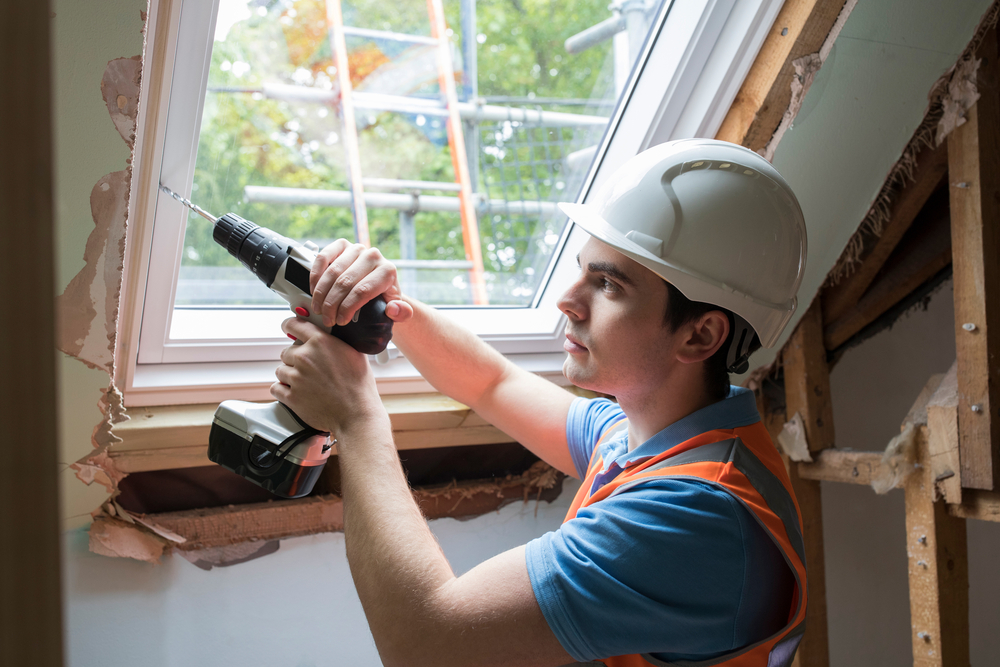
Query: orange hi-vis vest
x=743, y=462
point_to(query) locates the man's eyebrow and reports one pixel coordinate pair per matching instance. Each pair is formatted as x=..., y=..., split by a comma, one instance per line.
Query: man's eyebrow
x=609, y=269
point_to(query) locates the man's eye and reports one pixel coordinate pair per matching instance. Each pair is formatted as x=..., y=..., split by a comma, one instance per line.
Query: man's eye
x=609, y=286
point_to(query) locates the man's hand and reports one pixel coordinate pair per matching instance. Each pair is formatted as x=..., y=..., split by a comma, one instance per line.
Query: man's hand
x=346, y=276
x=325, y=381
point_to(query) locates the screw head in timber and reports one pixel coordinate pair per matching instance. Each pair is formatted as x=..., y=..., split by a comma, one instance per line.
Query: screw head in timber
x=977, y=408
x=969, y=326
x=926, y=636
x=922, y=539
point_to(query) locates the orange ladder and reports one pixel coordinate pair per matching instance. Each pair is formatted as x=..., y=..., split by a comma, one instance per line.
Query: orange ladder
x=456, y=139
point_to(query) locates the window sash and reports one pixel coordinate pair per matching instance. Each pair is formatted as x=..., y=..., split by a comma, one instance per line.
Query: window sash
x=708, y=45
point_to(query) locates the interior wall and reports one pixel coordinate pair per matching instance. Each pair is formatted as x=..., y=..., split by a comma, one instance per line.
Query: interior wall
x=873, y=387
x=295, y=607
x=85, y=36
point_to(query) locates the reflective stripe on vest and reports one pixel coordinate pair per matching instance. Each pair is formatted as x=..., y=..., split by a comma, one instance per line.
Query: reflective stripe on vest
x=749, y=468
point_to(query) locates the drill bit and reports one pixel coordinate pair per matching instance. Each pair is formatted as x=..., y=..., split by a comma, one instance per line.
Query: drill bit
x=194, y=207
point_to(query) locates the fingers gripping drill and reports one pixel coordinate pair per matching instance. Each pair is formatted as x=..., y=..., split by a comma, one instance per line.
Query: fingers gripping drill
x=267, y=443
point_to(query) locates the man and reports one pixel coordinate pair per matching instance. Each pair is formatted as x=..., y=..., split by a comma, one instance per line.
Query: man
x=684, y=542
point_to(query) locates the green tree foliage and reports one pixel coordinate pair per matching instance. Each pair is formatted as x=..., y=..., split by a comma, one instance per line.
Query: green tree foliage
x=248, y=138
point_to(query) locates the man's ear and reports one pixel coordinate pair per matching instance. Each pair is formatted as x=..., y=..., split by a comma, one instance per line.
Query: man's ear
x=703, y=337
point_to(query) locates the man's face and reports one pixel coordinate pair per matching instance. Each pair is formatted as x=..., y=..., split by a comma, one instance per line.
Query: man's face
x=615, y=334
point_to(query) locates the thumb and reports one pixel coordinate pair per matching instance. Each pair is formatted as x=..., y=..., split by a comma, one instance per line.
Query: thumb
x=398, y=311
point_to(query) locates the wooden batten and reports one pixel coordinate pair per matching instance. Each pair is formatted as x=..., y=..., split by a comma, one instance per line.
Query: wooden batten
x=799, y=30
x=938, y=571
x=807, y=380
x=807, y=392
x=974, y=179
x=834, y=465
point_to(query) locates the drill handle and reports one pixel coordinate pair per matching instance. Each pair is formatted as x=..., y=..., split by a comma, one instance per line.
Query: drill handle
x=369, y=332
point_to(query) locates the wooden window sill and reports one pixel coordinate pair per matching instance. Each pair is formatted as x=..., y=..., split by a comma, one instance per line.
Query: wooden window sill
x=176, y=436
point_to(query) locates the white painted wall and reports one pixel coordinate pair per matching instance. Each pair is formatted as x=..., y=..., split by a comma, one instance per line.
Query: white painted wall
x=296, y=607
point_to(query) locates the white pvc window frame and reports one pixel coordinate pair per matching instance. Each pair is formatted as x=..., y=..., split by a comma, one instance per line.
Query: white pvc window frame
x=707, y=46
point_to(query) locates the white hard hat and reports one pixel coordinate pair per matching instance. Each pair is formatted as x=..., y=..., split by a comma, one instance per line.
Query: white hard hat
x=714, y=219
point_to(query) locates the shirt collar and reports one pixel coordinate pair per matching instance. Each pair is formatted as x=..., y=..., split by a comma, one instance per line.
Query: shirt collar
x=738, y=409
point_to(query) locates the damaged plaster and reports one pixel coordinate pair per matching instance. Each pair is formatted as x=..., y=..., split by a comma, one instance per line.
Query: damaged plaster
x=221, y=536
x=806, y=68
x=87, y=310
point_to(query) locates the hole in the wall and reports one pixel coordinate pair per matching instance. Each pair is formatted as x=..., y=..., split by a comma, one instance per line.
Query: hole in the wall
x=213, y=486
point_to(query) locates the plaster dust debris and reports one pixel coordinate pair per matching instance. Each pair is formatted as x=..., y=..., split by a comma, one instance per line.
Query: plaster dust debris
x=792, y=439
x=87, y=310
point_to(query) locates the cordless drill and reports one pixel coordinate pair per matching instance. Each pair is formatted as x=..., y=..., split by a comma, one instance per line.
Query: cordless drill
x=269, y=444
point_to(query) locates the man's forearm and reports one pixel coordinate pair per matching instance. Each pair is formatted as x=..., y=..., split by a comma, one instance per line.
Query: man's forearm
x=395, y=561
x=453, y=359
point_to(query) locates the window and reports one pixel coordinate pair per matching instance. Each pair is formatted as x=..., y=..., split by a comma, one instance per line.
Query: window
x=243, y=114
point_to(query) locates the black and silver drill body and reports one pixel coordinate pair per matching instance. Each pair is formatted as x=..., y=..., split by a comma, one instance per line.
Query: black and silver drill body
x=267, y=443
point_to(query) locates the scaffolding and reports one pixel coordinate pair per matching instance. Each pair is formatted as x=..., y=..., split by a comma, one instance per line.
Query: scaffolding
x=511, y=161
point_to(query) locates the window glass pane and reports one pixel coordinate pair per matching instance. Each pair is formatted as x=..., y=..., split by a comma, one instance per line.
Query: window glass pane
x=533, y=114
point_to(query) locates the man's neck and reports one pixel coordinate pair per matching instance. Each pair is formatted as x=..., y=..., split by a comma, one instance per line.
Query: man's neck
x=682, y=393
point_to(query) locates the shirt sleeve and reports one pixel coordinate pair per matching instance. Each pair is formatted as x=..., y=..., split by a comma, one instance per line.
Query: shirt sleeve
x=679, y=594
x=587, y=420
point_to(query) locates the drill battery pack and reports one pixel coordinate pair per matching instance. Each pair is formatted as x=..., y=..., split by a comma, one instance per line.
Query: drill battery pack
x=269, y=445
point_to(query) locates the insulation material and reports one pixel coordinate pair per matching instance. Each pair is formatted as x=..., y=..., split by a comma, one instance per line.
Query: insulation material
x=962, y=94
x=806, y=68
x=898, y=461
x=87, y=310
x=792, y=440
x=954, y=90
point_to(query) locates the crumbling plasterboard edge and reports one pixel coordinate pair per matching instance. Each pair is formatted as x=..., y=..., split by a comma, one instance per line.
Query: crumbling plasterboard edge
x=792, y=439
x=806, y=68
x=87, y=310
x=234, y=534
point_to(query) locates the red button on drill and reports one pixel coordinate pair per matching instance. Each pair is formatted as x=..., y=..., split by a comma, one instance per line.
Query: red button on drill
x=301, y=312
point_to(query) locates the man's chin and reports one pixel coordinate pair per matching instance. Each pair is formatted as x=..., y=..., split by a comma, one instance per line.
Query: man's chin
x=576, y=375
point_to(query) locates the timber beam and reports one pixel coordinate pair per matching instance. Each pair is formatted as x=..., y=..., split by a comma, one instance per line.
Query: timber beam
x=974, y=180
x=807, y=392
x=938, y=568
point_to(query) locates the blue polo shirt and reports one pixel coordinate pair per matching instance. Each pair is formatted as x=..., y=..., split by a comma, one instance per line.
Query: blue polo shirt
x=673, y=567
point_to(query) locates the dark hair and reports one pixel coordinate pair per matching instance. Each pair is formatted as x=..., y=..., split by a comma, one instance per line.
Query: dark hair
x=681, y=310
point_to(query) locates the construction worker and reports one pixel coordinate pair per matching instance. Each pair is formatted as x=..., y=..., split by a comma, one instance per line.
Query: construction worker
x=684, y=541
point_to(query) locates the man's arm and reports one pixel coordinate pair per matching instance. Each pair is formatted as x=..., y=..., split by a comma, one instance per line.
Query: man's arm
x=418, y=611
x=455, y=361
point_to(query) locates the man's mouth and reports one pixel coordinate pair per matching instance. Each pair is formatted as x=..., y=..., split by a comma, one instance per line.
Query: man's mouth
x=573, y=346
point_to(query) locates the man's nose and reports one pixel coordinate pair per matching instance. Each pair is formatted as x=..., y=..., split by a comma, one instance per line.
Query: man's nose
x=571, y=304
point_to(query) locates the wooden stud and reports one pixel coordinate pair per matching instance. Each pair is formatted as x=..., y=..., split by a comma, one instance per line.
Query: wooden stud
x=800, y=29
x=807, y=392
x=932, y=167
x=974, y=180
x=807, y=380
x=938, y=571
x=31, y=631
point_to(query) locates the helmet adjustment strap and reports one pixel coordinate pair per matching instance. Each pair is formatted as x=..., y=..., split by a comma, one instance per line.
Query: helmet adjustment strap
x=737, y=358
